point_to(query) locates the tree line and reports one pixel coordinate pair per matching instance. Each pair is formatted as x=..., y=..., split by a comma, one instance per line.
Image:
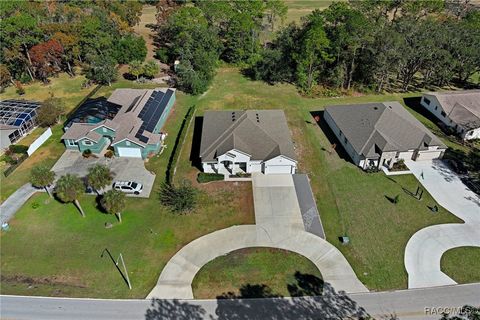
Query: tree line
x=42, y=38
x=370, y=45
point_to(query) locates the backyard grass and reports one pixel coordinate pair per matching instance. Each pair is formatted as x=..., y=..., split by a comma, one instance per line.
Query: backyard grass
x=299, y=8
x=276, y=269
x=462, y=264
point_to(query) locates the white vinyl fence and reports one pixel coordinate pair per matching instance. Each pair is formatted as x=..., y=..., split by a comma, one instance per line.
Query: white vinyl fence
x=39, y=141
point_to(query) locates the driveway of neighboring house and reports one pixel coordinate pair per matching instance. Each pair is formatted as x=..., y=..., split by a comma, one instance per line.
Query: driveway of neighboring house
x=124, y=169
x=425, y=248
x=279, y=224
x=16, y=201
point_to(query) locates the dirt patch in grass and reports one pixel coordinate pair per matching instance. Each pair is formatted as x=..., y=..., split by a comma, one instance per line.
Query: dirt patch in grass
x=33, y=281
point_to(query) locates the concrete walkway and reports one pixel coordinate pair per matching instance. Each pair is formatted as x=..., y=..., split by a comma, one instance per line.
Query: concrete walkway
x=16, y=201
x=425, y=248
x=279, y=224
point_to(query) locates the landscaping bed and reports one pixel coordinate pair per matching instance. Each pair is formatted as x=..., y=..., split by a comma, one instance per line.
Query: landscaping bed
x=203, y=177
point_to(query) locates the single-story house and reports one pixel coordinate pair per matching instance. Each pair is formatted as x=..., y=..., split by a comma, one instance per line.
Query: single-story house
x=133, y=131
x=380, y=134
x=243, y=142
x=17, y=119
x=459, y=110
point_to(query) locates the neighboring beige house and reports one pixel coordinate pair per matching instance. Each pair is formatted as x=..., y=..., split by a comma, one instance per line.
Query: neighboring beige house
x=459, y=110
x=380, y=134
x=242, y=142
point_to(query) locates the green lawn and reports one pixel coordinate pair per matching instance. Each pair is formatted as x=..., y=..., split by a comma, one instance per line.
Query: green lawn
x=51, y=250
x=350, y=201
x=461, y=264
x=246, y=268
x=299, y=8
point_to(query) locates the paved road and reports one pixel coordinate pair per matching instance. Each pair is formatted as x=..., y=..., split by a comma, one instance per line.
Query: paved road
x=16, y=201
x=405, y=304
x=426, y=247
x=278, y=224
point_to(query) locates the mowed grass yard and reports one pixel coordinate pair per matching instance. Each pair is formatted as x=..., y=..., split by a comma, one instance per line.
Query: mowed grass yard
x=250, y=268
x=460, y=269
x=52, y=250
x=351, y=202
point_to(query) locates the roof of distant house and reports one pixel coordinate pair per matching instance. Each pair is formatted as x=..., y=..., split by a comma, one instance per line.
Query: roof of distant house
x=263, y=134
x=373, y=128
x=463, y=107
x=139, y=113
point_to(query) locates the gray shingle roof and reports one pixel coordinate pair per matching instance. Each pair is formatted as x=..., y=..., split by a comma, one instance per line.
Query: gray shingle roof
x=378, y=127
x=263, y=134
x=463, y=107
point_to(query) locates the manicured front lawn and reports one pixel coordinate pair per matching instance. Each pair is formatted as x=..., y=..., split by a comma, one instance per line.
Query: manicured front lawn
x=350, y=201
x=247, y=268
x=462, y=264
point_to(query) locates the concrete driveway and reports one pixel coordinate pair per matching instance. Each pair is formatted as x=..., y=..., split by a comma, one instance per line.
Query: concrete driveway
x=425, y=248
x=279, y=224
x=124, y=169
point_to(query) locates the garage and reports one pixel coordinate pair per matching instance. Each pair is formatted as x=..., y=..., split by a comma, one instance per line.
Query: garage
x=429, y=155
x=129, y=152
x=271, y=169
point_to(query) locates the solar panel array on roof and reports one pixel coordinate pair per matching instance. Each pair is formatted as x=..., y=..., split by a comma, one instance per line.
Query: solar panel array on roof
x=152, y=111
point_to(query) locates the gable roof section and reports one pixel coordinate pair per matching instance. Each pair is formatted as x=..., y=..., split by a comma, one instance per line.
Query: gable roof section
x=263, y=134
x=373, y=128
x=463, y=107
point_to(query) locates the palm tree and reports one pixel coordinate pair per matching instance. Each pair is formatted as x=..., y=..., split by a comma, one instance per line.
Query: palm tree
x=99, y=177
x=42, y=177
x=113, y=201
x=69, y=188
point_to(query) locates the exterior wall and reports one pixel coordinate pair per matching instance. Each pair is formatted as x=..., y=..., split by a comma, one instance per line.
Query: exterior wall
x=104, y=131
x=388, y=158
x=406, y=155
x=210, y=167
x=341, y=138
x=165, y=114
x=254, y=166
x=150, y=148
x=95, y=147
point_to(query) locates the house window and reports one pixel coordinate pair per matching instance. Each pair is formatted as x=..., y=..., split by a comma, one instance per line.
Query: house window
x=444, y=114
x=345, y=139
x=88, y=143
x=426, y=101
x=104, y=129
x=127, y=143
x=436, y=107
x=71, y=143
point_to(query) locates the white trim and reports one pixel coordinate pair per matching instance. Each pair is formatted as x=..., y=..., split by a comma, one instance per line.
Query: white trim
x=86, y=139
x=138, y=144
x=102, y=125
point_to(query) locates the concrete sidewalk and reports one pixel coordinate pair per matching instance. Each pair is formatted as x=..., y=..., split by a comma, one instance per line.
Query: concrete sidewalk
x=10, y=206
x=425, y=248
x=279, y=225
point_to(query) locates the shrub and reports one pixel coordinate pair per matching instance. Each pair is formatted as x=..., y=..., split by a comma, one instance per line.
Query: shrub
x=18, y=148
x=208, y=177
x=109, y=154
x=35, y=205
x=179, y=199
x=20, y=90
x=87, y=153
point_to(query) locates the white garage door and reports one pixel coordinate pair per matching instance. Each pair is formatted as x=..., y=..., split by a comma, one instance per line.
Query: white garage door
x=278, y=169
x=130, y=152
x=428, y=155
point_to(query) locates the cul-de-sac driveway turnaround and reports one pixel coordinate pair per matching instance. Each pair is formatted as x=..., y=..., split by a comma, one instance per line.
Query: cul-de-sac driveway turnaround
x=425, y=248
x=278, y=224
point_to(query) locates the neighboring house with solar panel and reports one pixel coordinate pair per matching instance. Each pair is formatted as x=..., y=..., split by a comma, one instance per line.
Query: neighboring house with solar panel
x=130, y=121
x=381, y=134
x=242, y=142
x=17, y=119
x=459, y=110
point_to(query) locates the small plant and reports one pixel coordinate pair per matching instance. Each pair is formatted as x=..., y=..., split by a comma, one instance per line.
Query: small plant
x=35, y=205
x=17, y=148
x=87, y=153
x=179, y=199
x=20, y=90
x=109, y=154
x=396, y=199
